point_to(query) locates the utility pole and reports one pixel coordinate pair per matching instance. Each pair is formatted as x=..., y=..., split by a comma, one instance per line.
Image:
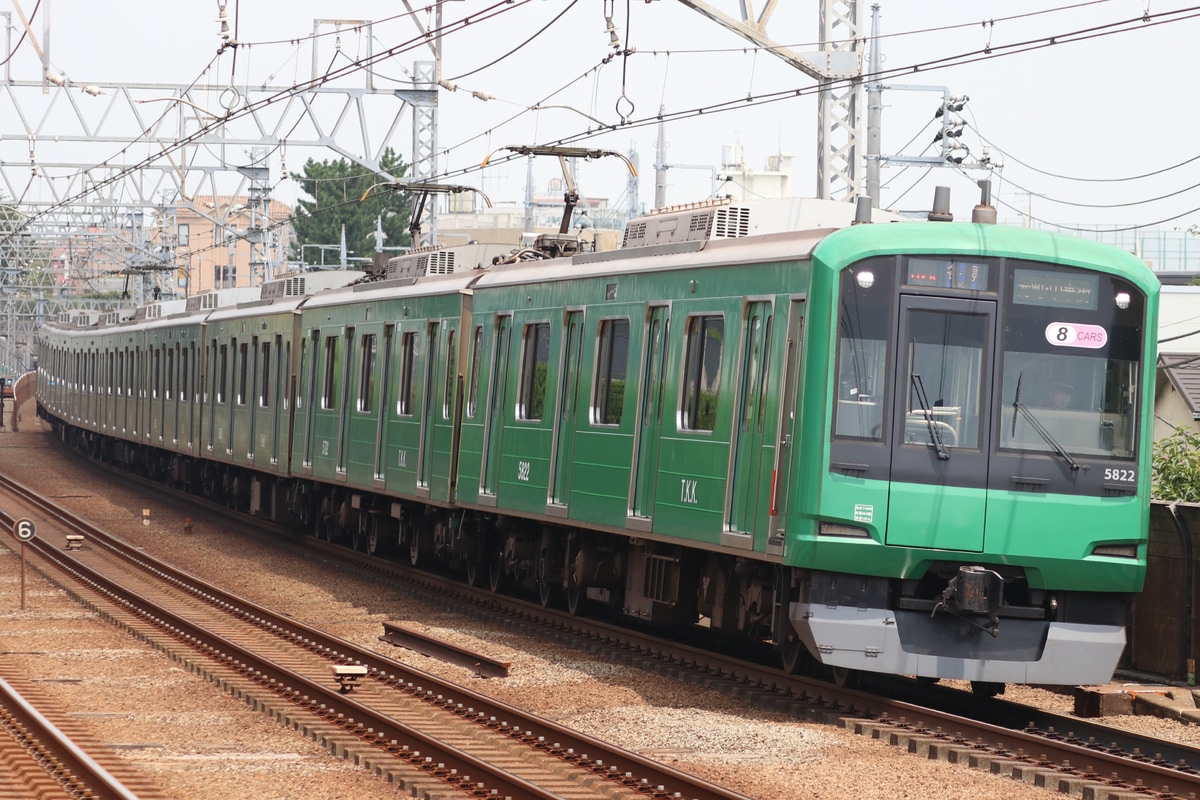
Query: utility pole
x=874, y=111
x=660, y=165
x=259, y=175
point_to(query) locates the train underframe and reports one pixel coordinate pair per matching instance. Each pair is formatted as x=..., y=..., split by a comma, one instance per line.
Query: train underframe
x=842, y=623
x=656, y=582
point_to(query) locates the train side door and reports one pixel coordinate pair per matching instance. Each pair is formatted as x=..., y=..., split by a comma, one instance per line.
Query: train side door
x=348, y=379
x=308, y=383
x=568, y=395
x=650, y=405
x=428, y=402
x=940, y=436
x=497, y=407
x=386, y=406
x=747, y=456
x=786, y=429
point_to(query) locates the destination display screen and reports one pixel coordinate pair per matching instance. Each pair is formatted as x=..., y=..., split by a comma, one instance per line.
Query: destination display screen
x=1039, y=287
x=942, y=273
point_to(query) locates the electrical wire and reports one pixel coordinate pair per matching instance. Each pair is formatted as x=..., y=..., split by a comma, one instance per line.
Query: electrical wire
x=1008, y=155
x=24, y=33
x=969, y=57
x=1109, y=29
x=501, y=7
x=540, y=31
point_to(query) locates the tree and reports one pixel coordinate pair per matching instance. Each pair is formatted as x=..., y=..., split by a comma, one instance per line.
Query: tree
x=1176, y=467
x=336, y=188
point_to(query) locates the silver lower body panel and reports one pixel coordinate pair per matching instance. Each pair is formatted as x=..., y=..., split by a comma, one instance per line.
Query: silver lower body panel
x=869, y=639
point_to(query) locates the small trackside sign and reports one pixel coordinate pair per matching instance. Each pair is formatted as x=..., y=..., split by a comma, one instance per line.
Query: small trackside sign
x=24, y=529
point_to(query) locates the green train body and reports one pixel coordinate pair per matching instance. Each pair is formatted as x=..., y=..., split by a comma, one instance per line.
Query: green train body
x=834, y=437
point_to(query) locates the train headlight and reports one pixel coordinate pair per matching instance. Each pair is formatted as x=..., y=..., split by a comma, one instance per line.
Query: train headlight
x=1122, y=300
x=837, y=529
x=1115, y=550
x=865, y=279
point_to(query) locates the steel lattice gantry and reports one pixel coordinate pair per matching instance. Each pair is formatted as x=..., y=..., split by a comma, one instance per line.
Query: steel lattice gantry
x=838, y=68
x=80, y=162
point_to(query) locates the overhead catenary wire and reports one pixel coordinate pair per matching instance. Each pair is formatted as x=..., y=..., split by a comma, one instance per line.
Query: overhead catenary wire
x=503, y=6
x=998, y=51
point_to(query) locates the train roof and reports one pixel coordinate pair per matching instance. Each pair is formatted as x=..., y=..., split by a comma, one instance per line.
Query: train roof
x=722, y=218
x=863, y=241
x=451, y=283
x=695, y=235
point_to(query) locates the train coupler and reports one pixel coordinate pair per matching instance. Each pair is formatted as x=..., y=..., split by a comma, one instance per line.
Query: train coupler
x=974, y=590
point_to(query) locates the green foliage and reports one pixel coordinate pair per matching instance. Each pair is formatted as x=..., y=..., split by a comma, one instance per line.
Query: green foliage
x=537, y=400
x=335, y=188
x=1176, y=467
x=614, y=402
x=706, y=414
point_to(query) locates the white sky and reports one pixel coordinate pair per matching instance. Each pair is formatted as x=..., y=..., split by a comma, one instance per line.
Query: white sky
x=1114, y=106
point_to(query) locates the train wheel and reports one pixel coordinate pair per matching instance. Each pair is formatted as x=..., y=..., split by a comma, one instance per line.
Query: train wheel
x=576, y=594
x=474, y=573
x=366, y=535
x=576, y=600
x=496, y=571
x=794, y=655
x=414, y=548
x=986, y=689
x=547, y=590
x=325, y=529
x=845, y=677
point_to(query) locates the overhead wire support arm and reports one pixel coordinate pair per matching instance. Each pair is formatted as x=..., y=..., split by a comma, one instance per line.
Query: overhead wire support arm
x=571, y=195
x=423, y=189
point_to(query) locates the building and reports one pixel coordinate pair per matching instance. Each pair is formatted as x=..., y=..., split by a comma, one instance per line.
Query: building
x=226, y=244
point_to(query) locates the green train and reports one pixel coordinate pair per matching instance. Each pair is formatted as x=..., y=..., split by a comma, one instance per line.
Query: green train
x=908, y=447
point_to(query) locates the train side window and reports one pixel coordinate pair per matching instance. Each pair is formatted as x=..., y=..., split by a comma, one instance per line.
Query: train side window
x=243, y=354
x=366, y=376
x=535, y=361
x=702, y=372
x=476, y=350
x=611, y=366
x=451, y=376
x=222, y=372
x=264, y=397
x=157, y=381
x=183, y=374
x=861, y=368
x=409, y=350
x=327, y=394
x=169, y=384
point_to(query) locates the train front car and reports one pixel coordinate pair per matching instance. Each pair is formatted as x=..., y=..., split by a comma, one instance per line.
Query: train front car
x=980, y=507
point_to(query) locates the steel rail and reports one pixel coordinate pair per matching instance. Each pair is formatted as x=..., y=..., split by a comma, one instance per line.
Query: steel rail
x=625, y=768
x=64, y=761
x=482, y=665
x=1043, y=750
x=453, y=765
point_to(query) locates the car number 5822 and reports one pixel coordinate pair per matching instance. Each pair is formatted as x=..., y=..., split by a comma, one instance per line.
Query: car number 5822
x=1123, y=475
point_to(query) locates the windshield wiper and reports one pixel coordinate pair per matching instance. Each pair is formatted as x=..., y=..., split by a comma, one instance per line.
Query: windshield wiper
x=1041, y=429
x=934, y=434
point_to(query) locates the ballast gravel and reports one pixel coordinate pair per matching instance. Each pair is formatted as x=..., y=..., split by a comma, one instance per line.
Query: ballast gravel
x=201, y=744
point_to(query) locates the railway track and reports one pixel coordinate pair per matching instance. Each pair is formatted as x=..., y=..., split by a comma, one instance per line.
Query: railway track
x=1065, y=753
x=45, y=755
x=428, y=735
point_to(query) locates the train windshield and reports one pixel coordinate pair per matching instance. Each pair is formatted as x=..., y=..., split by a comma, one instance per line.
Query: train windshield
x=1071, y=362
x=1003, y=356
